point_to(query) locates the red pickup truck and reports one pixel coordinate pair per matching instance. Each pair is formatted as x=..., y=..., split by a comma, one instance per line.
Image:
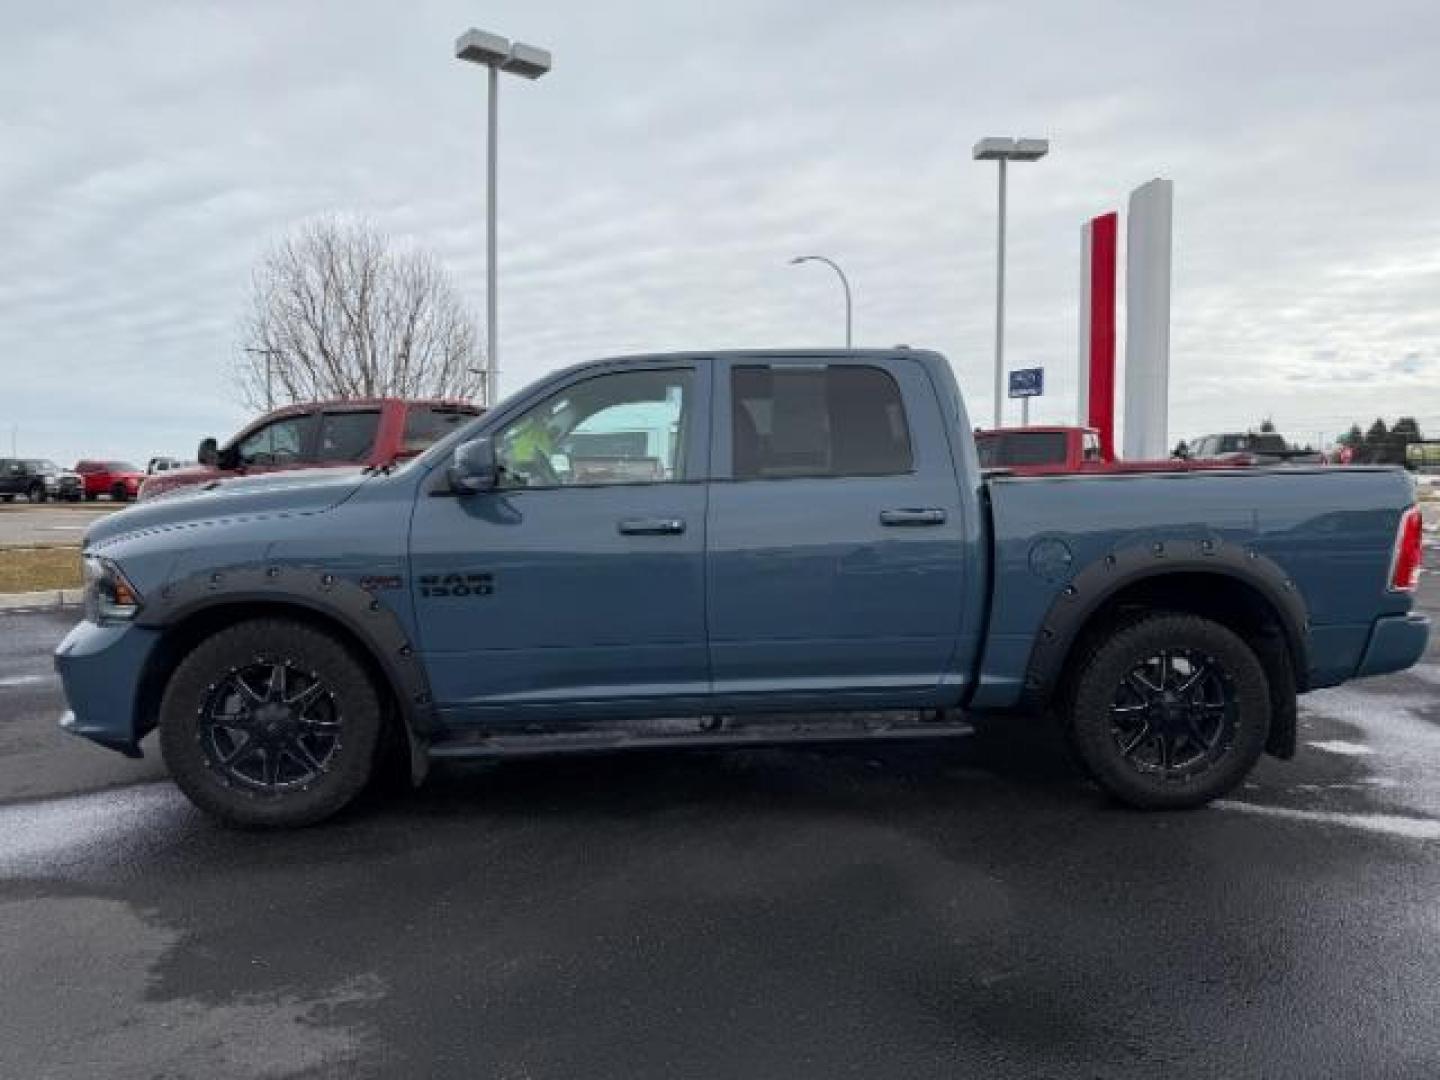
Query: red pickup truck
x=117, y=479
x=368, y=431
x=1026, y=450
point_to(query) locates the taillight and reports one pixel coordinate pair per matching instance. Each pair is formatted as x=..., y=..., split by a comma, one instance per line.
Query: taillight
x=1409, y=550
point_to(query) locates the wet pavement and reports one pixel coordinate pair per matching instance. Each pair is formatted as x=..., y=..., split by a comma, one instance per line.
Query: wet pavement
x=972, y=908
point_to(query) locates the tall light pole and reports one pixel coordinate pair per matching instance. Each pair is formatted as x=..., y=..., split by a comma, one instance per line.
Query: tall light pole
x=498, y=54
x=1004, y=150
x=844, y=284
x=270, y=355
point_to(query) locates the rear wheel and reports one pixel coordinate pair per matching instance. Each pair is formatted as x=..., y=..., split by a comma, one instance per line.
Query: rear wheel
x=1171, y=711
x=37, y=493
x=118, y=493
x=270, y=723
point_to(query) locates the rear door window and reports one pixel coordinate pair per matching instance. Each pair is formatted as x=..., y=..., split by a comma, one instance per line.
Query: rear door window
x=347, y=436
x=838, y=420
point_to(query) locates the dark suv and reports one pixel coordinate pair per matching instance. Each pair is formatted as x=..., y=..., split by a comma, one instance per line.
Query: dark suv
x=35, y=478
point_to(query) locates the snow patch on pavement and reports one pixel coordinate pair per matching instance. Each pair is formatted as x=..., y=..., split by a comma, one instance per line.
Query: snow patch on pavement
x=1411, y=828
x=1340, y=746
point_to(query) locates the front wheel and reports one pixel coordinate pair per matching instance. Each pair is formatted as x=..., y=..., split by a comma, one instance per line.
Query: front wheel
x=1171, y=711
x=270, y=723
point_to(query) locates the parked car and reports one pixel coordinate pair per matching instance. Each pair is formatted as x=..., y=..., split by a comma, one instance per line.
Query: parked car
x=117, y=479
x=369, y=432
x=69, y=486
x=1251, y=448
x=812, y=534
x=1026, y=450
x=34, y=478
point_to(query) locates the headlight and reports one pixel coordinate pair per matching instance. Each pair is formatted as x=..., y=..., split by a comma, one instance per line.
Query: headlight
x=109, y=597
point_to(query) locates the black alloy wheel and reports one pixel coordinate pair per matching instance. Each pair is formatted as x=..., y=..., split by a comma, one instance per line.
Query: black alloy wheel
x=271, y=722
x=270, y=727
x=1174, y=713
x=1168, y=710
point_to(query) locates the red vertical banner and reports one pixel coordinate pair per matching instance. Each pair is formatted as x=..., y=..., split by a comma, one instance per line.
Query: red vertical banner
x=1098, y=337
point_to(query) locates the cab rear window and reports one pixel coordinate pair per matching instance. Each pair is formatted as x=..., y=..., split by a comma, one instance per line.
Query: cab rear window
x=1021, y=448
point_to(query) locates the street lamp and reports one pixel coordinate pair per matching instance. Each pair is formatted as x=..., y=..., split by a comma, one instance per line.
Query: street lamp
x=1004, y=151
x=844, y=284
x=270, y=355
x=498, y=54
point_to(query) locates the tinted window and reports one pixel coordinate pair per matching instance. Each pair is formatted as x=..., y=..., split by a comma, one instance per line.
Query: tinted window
x=1021, y=448
x=834, y=421
x=282, y=442
x=425, y=425
x=347, y=436
x=120, y=466
x=1268, y=444
x=624, y=428
x=1231, y=444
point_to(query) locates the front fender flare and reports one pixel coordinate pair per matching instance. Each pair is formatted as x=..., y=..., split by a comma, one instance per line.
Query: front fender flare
x=328, y=596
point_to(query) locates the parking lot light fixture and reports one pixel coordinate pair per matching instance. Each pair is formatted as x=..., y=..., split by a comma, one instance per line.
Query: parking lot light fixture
x=844, y=284
x=1004, y=150
x=497, y=54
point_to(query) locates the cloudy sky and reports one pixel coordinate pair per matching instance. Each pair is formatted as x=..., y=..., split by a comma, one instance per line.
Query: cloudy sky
x=654, y=186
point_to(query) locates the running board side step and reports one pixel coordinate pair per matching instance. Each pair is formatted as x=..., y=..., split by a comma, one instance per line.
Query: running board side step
x=716, y=732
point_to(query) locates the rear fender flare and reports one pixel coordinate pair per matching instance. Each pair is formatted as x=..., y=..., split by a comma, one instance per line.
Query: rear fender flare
x=1088, y=591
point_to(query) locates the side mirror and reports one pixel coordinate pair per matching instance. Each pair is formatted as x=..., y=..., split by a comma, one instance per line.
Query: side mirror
x=209, y=452
x=474, y=469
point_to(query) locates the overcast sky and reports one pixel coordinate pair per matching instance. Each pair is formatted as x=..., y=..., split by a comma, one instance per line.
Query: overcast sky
x=655, y=184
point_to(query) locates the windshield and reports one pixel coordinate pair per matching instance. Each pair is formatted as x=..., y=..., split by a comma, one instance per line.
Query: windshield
x=42, y=465
x=120, y=466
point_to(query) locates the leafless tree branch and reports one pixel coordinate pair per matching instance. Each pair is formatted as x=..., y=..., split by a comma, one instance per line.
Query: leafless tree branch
x=335, y=312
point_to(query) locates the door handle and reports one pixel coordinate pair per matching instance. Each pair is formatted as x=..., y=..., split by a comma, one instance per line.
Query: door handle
x=651, y=526
x=928, y=516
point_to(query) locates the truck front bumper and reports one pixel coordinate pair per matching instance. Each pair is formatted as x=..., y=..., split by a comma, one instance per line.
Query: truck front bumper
x=101, y=669
x=1396, y=642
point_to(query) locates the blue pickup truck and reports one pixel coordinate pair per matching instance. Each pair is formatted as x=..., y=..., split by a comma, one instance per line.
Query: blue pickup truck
x=719, y=549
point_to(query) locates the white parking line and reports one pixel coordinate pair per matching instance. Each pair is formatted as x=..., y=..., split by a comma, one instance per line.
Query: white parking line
x=1340, y=746
x=21, y=680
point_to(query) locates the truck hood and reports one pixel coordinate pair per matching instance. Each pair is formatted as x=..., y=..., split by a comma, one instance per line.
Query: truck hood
x=307, y=491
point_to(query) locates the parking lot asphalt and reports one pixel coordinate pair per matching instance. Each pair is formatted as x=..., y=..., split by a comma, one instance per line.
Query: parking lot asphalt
x=972, y=908
x=24, y=525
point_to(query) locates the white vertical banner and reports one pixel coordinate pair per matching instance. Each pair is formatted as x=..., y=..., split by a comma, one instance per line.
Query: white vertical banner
x=1147, y=320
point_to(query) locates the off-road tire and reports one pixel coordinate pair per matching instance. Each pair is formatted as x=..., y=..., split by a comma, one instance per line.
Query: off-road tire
x=195, y=769
x=1095, y=690
x=36, y=493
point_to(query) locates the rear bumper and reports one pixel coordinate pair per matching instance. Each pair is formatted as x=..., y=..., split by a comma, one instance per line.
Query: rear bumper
x=1396, y=642
x=100, y=669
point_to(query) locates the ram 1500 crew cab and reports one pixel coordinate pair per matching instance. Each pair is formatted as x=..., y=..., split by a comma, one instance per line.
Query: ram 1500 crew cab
x=727, y=537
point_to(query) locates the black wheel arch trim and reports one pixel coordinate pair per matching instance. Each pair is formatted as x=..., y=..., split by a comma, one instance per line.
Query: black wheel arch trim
x=1088, y=591
x=325, y=594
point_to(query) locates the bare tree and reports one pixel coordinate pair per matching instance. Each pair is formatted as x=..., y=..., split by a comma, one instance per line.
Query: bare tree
x=336, y=313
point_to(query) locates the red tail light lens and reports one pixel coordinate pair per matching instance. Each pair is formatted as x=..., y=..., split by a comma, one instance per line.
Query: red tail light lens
x=1409, y=551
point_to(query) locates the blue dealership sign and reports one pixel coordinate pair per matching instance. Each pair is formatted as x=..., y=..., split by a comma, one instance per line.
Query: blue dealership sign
x=1027, y=382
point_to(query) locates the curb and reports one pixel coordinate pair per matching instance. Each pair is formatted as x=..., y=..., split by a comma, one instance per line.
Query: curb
x=45, y=599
